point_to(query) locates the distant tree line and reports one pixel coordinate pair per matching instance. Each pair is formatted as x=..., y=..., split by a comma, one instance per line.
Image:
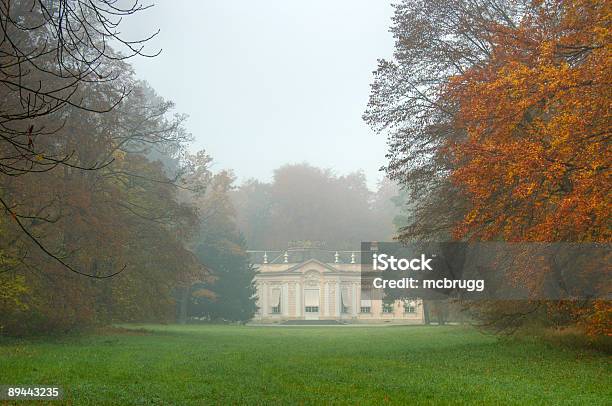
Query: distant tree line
x=306, y=203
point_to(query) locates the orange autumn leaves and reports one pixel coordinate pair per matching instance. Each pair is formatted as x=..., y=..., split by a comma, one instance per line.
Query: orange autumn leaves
x=534, y=162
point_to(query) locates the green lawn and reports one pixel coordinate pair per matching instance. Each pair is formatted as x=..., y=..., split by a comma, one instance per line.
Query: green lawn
x=310, y=365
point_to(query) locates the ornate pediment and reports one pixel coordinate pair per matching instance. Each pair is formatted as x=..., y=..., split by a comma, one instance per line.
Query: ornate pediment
x=312, y=265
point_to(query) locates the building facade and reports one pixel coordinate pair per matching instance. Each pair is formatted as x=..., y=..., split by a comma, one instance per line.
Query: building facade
x=321, y=285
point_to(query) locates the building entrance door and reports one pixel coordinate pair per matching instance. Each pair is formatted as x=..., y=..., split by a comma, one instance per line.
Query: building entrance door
x=311, y=304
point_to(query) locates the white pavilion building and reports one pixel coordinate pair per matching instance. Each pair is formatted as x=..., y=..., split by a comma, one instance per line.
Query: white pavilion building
x=307, y=284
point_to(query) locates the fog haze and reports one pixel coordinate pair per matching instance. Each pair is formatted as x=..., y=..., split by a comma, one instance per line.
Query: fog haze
x=271, y=82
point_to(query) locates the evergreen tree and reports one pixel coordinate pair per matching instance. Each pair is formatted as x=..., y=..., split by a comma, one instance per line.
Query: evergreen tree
x=222, y=249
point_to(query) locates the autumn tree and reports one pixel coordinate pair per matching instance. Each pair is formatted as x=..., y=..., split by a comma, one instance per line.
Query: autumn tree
x=497, y=113
x=57, y=59
x=435, y=40
x=534, y=163
x=129, y=214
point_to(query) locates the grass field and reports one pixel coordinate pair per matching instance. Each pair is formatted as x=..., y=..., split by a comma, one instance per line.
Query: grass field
x=310, y=365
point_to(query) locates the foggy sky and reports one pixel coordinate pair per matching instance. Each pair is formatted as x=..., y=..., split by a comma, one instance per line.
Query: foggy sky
x=269, y=82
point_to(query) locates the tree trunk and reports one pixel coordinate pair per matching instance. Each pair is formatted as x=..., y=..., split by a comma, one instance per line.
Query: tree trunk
x=184, y=304
x=426, y=317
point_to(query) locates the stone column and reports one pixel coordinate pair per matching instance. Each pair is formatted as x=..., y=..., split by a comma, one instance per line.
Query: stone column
x=338, y=298
x=285, y=299
x=354, y=297
x=322, y=299
x=291, y=299
x=298, y=299
x=327, y=301
x=264, y=299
